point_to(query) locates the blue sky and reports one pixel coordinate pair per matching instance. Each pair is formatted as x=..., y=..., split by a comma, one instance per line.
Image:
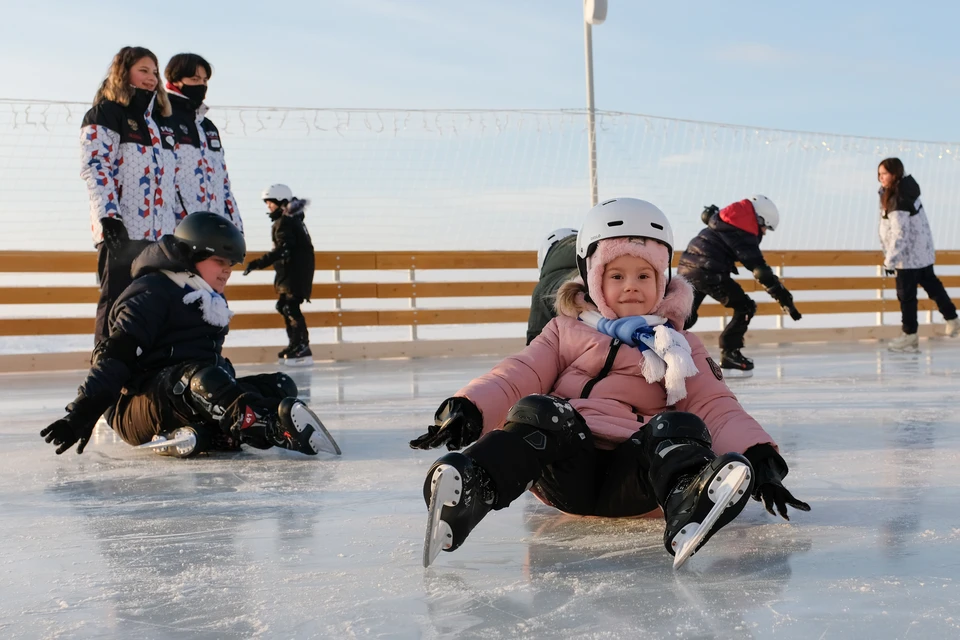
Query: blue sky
x=873, y=68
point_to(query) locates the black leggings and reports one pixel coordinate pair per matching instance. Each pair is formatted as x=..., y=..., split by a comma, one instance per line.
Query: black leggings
x=907, y=282
x=731, y=295
x=296, y=325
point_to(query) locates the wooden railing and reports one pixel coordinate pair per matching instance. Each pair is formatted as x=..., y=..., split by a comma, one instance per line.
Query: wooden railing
x=341, y=290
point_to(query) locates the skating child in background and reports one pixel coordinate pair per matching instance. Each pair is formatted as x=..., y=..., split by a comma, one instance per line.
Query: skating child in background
x=161, y=369
x=733, y=234
x=293, y=260
x=611, y=410
x=557, y=262
x=908, y=252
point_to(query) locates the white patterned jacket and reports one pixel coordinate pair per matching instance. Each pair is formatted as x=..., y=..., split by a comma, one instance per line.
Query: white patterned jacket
x=904, y=230
x=203, y=183
x=128, y=157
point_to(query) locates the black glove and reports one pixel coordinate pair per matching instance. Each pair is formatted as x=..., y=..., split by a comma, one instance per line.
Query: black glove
x=890, y=272
x=779, y=293
x=77, y=425
x=114, y=234
x=708, y=213
x=769, y=469
x=457, y=423
x=253, y=265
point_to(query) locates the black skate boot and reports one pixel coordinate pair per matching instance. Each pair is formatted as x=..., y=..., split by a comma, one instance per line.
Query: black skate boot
x=736, y=363
x=299, y=356
x=701, y=504
x=185, y=442
x=458, y=493
x=283, y=353
x=292, y=426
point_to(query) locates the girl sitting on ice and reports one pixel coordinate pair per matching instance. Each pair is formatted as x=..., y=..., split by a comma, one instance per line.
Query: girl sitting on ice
x=612, y=411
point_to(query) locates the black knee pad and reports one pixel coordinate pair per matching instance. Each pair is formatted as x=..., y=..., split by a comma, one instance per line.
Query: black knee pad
x=678, y=427
x=282, y=306
x=543, y=412
x=286, y=386
x=211, y=390
x=749, y=308
x=541, y=419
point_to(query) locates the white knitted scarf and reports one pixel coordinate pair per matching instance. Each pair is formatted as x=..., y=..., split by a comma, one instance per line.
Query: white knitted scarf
x=213, y=306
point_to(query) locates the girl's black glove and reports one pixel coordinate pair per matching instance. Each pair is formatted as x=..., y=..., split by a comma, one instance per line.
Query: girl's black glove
x=769, y=469
x=457, y=423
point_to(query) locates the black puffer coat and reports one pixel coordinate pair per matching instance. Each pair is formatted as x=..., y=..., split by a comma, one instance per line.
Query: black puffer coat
x=292, y=254
x=152, y=328
x=731, y=236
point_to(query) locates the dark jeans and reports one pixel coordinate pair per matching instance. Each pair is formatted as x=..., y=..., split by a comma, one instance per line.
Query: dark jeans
x=159, y=406
x=289, y=307
x=907, y=282
x=731, y=295
x=113, y=274
x=573, y=476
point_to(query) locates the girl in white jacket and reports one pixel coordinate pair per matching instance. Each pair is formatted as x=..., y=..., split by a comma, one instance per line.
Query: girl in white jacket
x=908, y=252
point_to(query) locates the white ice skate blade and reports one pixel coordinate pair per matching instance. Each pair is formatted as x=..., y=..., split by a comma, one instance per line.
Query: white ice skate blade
x=904, y=350
x=734, y=374
x=159, y=442
x=730, y=481
x=306, y=361
x=445, y=489
x=320, y=440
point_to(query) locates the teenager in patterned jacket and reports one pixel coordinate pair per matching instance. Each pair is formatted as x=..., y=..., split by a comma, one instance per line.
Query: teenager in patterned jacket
x=908, y=252
x=203, y=183
x=128, y=156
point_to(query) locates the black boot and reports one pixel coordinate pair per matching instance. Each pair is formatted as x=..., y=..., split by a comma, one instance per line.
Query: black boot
x=299, y=356
x=458, y=493
x=292, y=425
x=733, y=359
x=689, y=508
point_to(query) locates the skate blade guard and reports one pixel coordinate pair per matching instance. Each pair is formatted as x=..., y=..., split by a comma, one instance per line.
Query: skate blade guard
x=305, y=361
x=446, y=487
x=311, y=432
x=728, y=490
x=184, y=442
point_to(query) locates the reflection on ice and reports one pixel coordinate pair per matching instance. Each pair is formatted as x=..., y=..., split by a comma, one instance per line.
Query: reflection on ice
x=119, y=543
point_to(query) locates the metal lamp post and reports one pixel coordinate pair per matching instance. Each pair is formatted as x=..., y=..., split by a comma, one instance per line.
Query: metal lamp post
x=594, y=12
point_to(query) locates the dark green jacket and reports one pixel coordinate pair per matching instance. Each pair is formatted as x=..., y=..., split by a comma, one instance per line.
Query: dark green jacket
x=559, y=266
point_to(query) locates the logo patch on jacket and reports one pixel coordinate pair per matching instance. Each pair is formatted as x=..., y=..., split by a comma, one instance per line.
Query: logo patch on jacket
x=717, y=371
x=132, y=124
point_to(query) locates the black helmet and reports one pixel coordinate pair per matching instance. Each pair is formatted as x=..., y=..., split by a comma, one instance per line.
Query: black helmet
x=203, y=234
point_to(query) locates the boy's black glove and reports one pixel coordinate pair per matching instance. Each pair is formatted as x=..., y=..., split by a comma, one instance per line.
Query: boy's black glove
x=890, y=272
x=779, y=293
x=114, y=234
x=253, y=265
x=769, y=469
x=708, y=213
x=457, y=423
x=77, y=425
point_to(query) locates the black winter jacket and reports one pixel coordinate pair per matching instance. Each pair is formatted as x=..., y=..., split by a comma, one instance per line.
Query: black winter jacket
x=292, y=254
x=151, y=328
x=718, y=247
x=559, y=266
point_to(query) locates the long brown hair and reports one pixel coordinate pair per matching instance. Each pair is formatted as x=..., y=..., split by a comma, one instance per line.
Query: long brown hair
x=116, y=86
x=888, y=199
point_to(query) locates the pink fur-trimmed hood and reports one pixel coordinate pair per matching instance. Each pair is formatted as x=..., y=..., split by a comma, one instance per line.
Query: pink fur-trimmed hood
x=675, y=306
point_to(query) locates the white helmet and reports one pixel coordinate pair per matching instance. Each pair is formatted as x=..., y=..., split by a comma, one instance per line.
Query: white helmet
x=555, y=236
x=619, y=218
x=278, y=192
x=766, y=211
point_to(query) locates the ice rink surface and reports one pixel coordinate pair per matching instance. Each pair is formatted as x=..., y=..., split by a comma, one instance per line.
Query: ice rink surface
x=118, y=543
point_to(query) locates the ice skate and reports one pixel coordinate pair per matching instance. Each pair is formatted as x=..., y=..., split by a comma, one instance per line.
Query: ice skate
x=700, y=505
x=292, y=426
x=458, y=494
x=735, y=365
x=905, y=343
x=184, y=442
x=953, y=328
x=299, y=356
x=282, y=354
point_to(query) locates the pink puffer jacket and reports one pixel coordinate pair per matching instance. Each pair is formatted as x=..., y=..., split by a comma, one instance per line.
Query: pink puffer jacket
x=568, y=354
